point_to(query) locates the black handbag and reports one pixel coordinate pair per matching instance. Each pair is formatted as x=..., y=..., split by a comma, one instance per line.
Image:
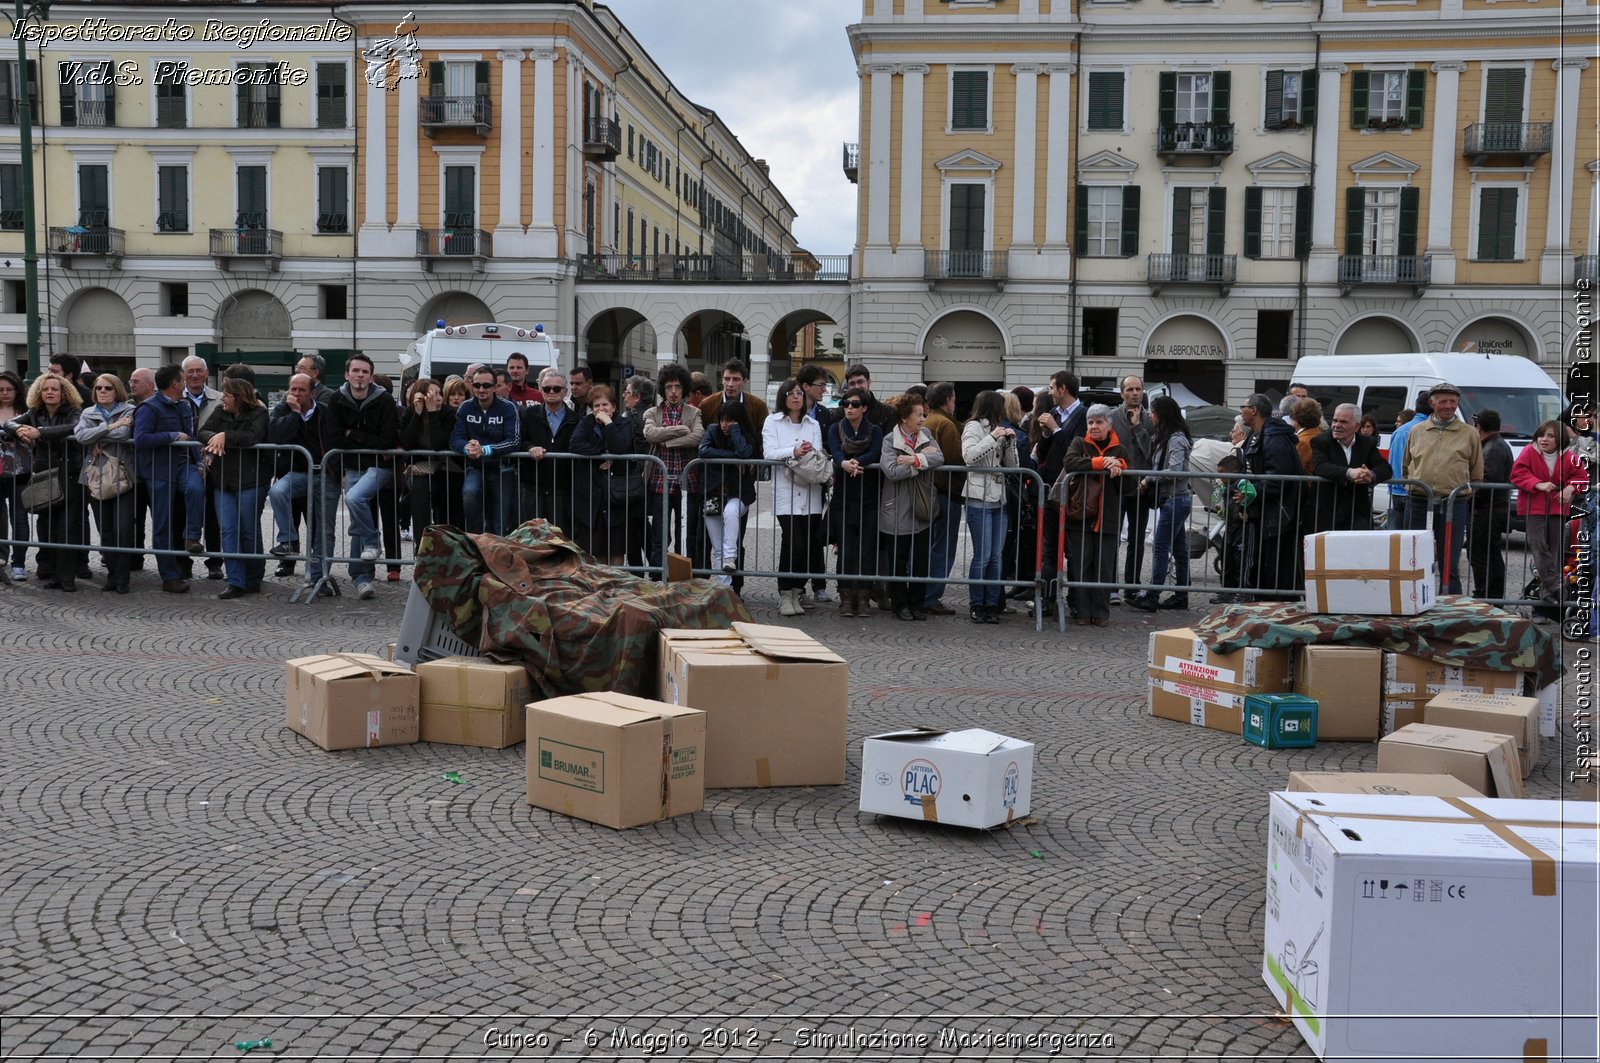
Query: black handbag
x=43, y=491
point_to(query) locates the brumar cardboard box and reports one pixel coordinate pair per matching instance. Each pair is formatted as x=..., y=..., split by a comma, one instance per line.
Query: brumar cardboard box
x=1383, y=572
x=1191, y=684
x=1507, y=714
x=1409, y=683
x=775, y=701
x=1402, y=928
x=1392, y=783
x=472, y=701
x=1347, y=682
x=1486, y=762
x=615, y=759
x=970, y=778
x=352, y=701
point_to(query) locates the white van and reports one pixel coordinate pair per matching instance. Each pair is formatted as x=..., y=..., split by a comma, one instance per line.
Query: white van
x=449, y=349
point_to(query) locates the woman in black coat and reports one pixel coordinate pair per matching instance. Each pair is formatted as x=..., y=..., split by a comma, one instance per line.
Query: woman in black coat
x=619, y=502
x=856, y=445
x=48, y=426
x=239, y=475
x=1099, y=461
x=435, y=484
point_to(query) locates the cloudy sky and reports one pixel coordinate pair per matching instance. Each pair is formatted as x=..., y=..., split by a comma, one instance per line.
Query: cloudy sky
x=782, y=78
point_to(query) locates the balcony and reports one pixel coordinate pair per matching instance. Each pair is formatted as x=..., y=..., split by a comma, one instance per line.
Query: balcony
x=602, y=139
x=1212, y=141
x=964, y=266
x=86, y=246
x=92, y=113
x=247, y=245
x=440, y=113
x=1584, y=269
x=1219, y=270
x=714, y=269
x=460, y=244
x=1406, y=271
x=1519, y=143
x=852, y=162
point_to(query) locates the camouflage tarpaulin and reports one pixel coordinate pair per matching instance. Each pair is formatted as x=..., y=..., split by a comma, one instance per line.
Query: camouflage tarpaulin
x=1457, y=631
x=577, y=626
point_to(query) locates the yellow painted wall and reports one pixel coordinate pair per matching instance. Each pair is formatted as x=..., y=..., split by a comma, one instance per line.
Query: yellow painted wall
x=999, y=144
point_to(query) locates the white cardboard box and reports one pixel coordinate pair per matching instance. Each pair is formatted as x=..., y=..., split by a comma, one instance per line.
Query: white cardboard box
x=971, y=778
x=1381, y=572
x=1400, y=928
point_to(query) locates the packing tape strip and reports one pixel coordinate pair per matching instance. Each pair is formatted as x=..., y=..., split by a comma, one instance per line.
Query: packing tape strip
x=763, y=772
x=930, y=813
x=1535, y=1050
x=465, y=713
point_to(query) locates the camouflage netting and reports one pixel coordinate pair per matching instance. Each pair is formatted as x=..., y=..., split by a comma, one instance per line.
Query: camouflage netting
x=578, y=626
x=1457, y=631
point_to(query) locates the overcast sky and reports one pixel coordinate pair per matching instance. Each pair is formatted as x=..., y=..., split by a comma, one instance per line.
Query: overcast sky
x=781, y=77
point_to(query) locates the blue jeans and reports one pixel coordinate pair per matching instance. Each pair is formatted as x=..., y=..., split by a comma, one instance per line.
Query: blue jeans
x=321, y=515
x=285, y=489
x=943, y=533
x=13, y=521
x=239, y=521
x=163, y=493
x=1447, y=556
x=490, y=489
x=361, y=486
x=1172, y=540
x=987, y=526
x=1398, y=515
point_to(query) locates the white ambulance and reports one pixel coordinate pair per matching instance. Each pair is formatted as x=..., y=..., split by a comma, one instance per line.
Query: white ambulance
x=448, y=349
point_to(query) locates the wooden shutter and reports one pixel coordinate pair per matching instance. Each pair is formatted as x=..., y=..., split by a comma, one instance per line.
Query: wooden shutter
x=252, y=182
x=1308, y=97
x=1355, y=218
x=1410, y=201
x=274, y=99
x=1360, y=86
x=480, y=78
x=459, y=209
x=969, y=99
x=1081, y=218
x=94, y=204
x=332, y=199
x=1217, y=222
x=1167, y=99
x=173, y=197
x=1497, y=224
x=1302, y=222
x=436, y=79
x=1105, y=99
x=1416, y=93
x=69, y=93
x=33, y=88
x=1503, y=95
x=11, y=192
x=1252, y=223
x=1221, y=96
x=1130, y=220
x=10, y=91
x=110, y=93
x=1180, y=220
x=1273, y=118
x=966, y=217
x=331, y=111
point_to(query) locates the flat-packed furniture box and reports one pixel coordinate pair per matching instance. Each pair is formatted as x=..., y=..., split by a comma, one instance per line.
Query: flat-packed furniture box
x=1191, y=684
x=1347, y=683
x=1405, y=928
x=351, y=701
x=473, y=701
x=775, y=700
x=1486, y=762
x=1390, y=783
x=1507, y=714
x=1388, y=573
x=615, y=759
x=1409, y=683
x=969, y=778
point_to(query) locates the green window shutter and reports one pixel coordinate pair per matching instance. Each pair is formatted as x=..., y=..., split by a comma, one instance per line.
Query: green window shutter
x=1360, y=86
x=69, y=93
x=1302, y=222
x=9, y=77
x=1105, y=99
x=1355, y=218
x=111, y=93
x=480, y=78
x=1080, y=211
x=1217, y=222
x=436, y=79
x=1221, y=95
x=331, y=113
x=1252, y=223
x=1503, y=95
x=1180, y=220
x=173, y=207
x=1167, y=99
x=1410, y=202
x=93, y=201
x=241, y=95
x=33, y=87
x=969, y=99
x=274, y=100
x=1274, y=112
x=1416, y=92
x=1497, y=224
x=966, y=217
x=459, y=209
x=1130, y=220
x=252, y=182
x=1308, y=97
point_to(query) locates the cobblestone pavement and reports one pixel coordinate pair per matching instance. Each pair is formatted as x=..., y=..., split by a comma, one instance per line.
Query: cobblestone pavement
x=182, y=873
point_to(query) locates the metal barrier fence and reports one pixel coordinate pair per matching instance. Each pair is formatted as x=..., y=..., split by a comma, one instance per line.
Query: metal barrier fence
x=1550, y=570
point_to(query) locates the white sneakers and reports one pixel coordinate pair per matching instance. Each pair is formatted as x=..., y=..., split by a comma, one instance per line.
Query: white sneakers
x=371, y=553
x=366, y=591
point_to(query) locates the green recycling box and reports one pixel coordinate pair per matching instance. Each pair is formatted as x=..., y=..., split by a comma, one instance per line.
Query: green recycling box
x=1280, y=721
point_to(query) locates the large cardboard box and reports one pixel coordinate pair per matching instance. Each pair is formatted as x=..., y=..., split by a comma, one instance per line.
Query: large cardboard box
x=352, y=701
x=1191, y=684
x=472, y=701
x=615, y=759
x=1486, y=762
x=971, y=778
x=775, y=701
x=1404, y=928
x=1382, y=572
x=1347, y=683
x=1409, y=683
x=1507, y=714
x=1394, y=784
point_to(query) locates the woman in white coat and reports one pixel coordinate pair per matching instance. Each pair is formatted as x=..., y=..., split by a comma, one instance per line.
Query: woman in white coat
x=789, y=436
x=987, y=442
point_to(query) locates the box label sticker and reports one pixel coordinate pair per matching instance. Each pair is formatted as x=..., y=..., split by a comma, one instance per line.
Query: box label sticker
x=1010, y=785
x=919, y=779
x=684, y=761
x=374, y=727
x=576, y=766
x=1200, y=673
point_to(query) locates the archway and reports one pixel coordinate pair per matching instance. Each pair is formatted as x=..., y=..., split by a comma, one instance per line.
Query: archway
x=254, y=321
x=1495, y=335
x=100, y=331
x=802, y=337
x=454, y=308
x=1190, y=350
x=710, y=338
x=617, y=343
x=1377, y=334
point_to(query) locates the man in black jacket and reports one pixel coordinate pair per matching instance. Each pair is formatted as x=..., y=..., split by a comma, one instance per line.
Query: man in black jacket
x=1491, y=512
x=1272, y=523
x=1066, y=420
x=547, y=431
x=1352, y=464
x=299, y=420
x=366, y=422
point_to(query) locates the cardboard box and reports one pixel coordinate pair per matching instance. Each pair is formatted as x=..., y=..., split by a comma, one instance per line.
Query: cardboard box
x=472, y=701
x=1409, y=683
x=1507, y=714
x=971, y=778
x=775, y=700
x=1400, y=928
x=1381, y=572
x=1394, y=784
x=615, y=759
x=352, y=701
x=679, y=568
x=1191, y=684
x=1486, y=762
x=1347, y=682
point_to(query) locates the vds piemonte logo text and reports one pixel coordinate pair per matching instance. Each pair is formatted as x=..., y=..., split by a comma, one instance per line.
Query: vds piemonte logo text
x=919, y=779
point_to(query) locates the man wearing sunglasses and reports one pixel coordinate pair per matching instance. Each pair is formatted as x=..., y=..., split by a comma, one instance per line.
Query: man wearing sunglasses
x=546, y=430
x=488, y=430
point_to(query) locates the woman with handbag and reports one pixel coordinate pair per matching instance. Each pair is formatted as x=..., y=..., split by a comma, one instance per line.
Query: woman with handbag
x=53, y=494
x=238, y=473
x=793, y=437
x=856, y=445
x=1172, y=501
x=16, y=465
x=987, y=442
x=1093, y=504
x=907, y=506
x=106, y=431
x=620, y=491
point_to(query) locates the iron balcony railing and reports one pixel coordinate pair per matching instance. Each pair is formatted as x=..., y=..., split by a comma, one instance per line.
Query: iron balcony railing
x=72, y=240
x=1415, y=271
x=258, y=114
x=460, y=242
x=1195, y=138
x=1193, y=269
x=246, y=242
x=852, y=162
x=92, y=113
x=715, y=269
x=457, y=112
x=1507, y=138
x=602, y=137
x=964, y=265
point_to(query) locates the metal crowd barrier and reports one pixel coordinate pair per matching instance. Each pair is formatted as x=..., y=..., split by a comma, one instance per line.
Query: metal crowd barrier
x=1501, y=559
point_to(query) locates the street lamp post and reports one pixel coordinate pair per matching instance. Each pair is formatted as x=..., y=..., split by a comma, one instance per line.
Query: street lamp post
x=39, y=9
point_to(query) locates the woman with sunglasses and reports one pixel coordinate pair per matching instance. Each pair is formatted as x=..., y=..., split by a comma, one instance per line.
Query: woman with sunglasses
x=47, y=427
x=856, y=445
x=108, y=425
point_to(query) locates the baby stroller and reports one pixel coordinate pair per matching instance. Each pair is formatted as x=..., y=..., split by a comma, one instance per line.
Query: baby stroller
x=1574, y=612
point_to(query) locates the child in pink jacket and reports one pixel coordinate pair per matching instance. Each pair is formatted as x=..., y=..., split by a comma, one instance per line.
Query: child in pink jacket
x=1546, y=478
